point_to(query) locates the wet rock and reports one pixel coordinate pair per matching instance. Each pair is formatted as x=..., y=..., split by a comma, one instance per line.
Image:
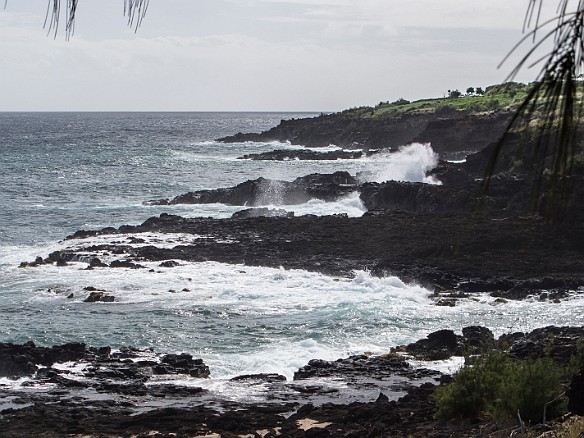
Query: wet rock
x=354, y=366
x=182, y=364
x=438, y=345
x=169, y=390
x=303, y=154
x=476, y=340
x=38, y=261
x=263, y=377
x=559, y=343
x=97, y=263
x=125, y=264
x=261, y=212
x=446, y=302
x=22, y=360
x=99, y=297
x=169, y=264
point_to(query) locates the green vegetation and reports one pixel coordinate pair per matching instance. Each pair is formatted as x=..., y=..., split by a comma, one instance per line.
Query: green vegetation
x=506, y=97
x=497, y=386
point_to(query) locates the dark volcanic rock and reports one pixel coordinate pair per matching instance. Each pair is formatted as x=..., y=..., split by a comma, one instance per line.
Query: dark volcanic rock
x=476, y=340
x=182, y=364
x=270, y=377
x=21, y=360
x=283, y=155
x=559, y=343
x=261, y=212
x=437, y=346
x=99, y=296
x=125, y=264
x=458, y=252
x=454, y=135
x=263, y=191
x=351, y=365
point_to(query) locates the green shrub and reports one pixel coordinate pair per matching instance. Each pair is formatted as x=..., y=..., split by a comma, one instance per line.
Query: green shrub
x=445, y=110
x=499, y=386
x=400, y=101
x=526, y=387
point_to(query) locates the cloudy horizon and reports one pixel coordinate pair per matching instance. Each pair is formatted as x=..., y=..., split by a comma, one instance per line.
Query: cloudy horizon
x=254, y=55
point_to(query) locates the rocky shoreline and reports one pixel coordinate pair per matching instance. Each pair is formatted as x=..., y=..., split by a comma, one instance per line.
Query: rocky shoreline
x=76, y=390
x=453, y=136
x=455, y=239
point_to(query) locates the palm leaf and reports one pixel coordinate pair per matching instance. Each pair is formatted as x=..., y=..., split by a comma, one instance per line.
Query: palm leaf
x=551, y=113
x=135, y=10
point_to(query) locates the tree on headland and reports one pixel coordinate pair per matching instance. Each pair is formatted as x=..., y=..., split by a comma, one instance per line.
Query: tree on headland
x=470, y=90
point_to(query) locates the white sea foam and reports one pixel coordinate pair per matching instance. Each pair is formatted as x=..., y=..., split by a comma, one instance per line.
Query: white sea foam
x=244, y=320
x=410, y=163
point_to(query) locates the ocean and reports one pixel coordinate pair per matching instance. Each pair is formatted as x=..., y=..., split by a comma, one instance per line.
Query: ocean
x=62, y=172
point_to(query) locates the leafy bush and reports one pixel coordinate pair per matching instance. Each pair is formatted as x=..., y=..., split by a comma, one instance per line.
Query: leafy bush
x=400, y=101
x=444, y=110
x=499, y=386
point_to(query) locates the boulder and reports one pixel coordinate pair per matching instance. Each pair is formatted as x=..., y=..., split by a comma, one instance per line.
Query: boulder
x=438, y=345
x=182, y=364
x=99, y=296
x=261, y=212
x=476, y=340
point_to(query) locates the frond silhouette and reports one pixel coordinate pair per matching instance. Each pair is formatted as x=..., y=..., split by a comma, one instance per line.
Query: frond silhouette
x=549, y=118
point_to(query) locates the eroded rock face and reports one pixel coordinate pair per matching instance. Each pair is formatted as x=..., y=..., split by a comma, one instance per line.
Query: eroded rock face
x=453, y=135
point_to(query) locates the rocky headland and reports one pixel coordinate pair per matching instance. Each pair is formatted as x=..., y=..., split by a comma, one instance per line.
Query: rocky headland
x=457, y=239
x=453, y=135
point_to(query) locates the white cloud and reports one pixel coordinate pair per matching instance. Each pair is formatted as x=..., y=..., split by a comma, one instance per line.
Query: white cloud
x=254, y=54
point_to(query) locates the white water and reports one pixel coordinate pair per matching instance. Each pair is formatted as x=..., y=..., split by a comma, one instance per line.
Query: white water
x=243, y=319
x=410, y=163
x=64, y=172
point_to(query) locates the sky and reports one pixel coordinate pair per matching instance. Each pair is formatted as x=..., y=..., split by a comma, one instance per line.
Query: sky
x=255, y=55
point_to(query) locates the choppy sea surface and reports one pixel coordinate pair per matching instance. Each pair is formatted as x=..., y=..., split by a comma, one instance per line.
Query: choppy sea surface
x=61, y=172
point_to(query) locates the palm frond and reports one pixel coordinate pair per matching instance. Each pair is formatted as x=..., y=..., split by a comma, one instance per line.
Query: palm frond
x=551, y=113
x=135, y=10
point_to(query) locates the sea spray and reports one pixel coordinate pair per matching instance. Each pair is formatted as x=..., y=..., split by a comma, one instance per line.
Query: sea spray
x=410, y=163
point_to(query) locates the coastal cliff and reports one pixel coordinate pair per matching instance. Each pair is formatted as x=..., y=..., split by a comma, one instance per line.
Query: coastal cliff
x=452, y=136
x=454, y=126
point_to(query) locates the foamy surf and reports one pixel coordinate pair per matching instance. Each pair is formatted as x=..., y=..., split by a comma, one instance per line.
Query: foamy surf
x=243, y=319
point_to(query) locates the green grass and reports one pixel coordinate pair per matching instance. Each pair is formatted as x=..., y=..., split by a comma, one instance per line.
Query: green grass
x=506, y=97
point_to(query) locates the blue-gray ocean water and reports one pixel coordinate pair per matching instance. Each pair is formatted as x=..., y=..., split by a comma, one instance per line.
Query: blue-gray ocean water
x=61, y=172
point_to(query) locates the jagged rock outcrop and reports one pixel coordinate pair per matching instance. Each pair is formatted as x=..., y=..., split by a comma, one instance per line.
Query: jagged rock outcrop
x=307, y=154
x=327, y=187
x=261, y=212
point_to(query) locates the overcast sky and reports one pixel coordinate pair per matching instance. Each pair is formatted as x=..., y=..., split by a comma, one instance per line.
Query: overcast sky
x=254, y=55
